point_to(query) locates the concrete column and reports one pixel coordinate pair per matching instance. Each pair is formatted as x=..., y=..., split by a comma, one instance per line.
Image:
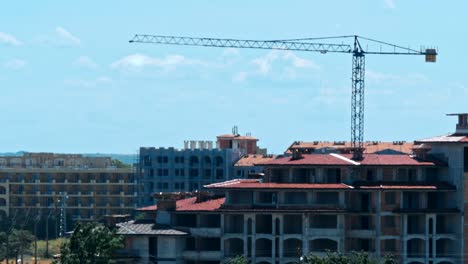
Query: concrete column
x=341, y=198
x=305, y=224
x=310, y=198
x=378, y=224
x=254, y=238
x=290, y=174
x=379, y=174
x=245, y=237
x=404, y=253
x=341, y=227
x=281, y=239
x=423, y=200
x=273, y=244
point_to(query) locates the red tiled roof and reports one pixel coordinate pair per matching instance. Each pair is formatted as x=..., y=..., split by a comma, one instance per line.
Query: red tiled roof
x=309, y=159
x=231, y=136
x=190, y=204
x=256, y=184
x=393, y=160
x=369, y=146
x=405, y=186
x=345, y=160
x=450, y=138
x=251, y=160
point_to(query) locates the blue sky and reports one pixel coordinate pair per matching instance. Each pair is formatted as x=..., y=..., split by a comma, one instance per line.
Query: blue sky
x=71, y=82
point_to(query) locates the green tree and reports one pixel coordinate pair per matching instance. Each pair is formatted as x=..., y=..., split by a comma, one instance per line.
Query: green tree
x=238, y=260
x=119, y=164
x=90, y=243
x=19, y=243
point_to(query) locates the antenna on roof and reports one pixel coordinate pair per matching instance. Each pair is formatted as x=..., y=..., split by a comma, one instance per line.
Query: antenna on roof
x=248, y=134
x=235, y=131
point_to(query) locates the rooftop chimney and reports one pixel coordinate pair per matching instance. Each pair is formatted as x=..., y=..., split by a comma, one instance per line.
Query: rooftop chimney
x=296, y=154
x=462, y=126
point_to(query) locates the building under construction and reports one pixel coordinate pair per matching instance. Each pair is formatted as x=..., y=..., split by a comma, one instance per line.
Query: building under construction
x=411, y=206
x=68, y=187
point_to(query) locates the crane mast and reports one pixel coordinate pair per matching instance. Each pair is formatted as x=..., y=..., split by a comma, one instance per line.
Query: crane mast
x=309, y=45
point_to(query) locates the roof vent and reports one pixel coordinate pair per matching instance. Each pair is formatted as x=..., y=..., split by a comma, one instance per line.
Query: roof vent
x=316, y=142
x=338, y=143
x=296, y=154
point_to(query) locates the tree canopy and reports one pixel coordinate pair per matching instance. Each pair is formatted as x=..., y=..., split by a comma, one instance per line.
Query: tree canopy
x=90, y=243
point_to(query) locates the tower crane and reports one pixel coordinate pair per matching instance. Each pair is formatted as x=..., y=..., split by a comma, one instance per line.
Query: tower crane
x=352, y=44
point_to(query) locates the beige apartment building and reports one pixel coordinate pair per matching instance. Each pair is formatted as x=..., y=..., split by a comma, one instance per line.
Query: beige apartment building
x=86, y=188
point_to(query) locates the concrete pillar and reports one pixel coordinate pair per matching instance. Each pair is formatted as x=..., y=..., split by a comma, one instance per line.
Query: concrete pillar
x=290, y=174
x=341, y=231
x=254, y=238
x=281, y=239
x=378, y=224
x=273, y=244
x=404, y=253
x=305, y=224
x=245, y=236
x=341, y=198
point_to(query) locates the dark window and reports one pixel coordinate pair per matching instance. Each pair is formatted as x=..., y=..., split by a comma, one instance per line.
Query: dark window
x=333, y=176
x=176, y=171
x=465, y=163
x=389, y=221
x=207, y=160
x=165, y=186
x=390, y=198
x=390, y=245
x=176, y=159
x=219, y=173
x=147, y=160
x=160, y=172
x=151, y=173
x=165, y=159
x=207, y=173
x=159, y=159
x=193, y=173
x=165, y=172
x=219, y=161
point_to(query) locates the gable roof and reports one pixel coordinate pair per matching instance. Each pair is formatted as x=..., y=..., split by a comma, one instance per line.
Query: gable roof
x=145, y=227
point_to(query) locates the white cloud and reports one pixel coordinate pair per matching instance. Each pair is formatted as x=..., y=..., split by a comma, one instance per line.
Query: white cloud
x=410, y=78
x=67, y=36
x=9, y=39
x=86, y=62
x=102, y=80
x=286, y=61
x=140, y=61
x=390, y=4
x=240, y=76
x=230, y=52
x=15, y=64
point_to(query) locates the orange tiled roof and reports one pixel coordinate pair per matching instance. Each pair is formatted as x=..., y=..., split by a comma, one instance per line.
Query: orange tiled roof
x=190, y=204
x=257, y=184
x=370, y=146
x=251, y=160
x=231, y=136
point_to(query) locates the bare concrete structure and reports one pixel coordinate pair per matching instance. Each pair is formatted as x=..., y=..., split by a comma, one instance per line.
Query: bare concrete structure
x=409, y=205
x=32, y=185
